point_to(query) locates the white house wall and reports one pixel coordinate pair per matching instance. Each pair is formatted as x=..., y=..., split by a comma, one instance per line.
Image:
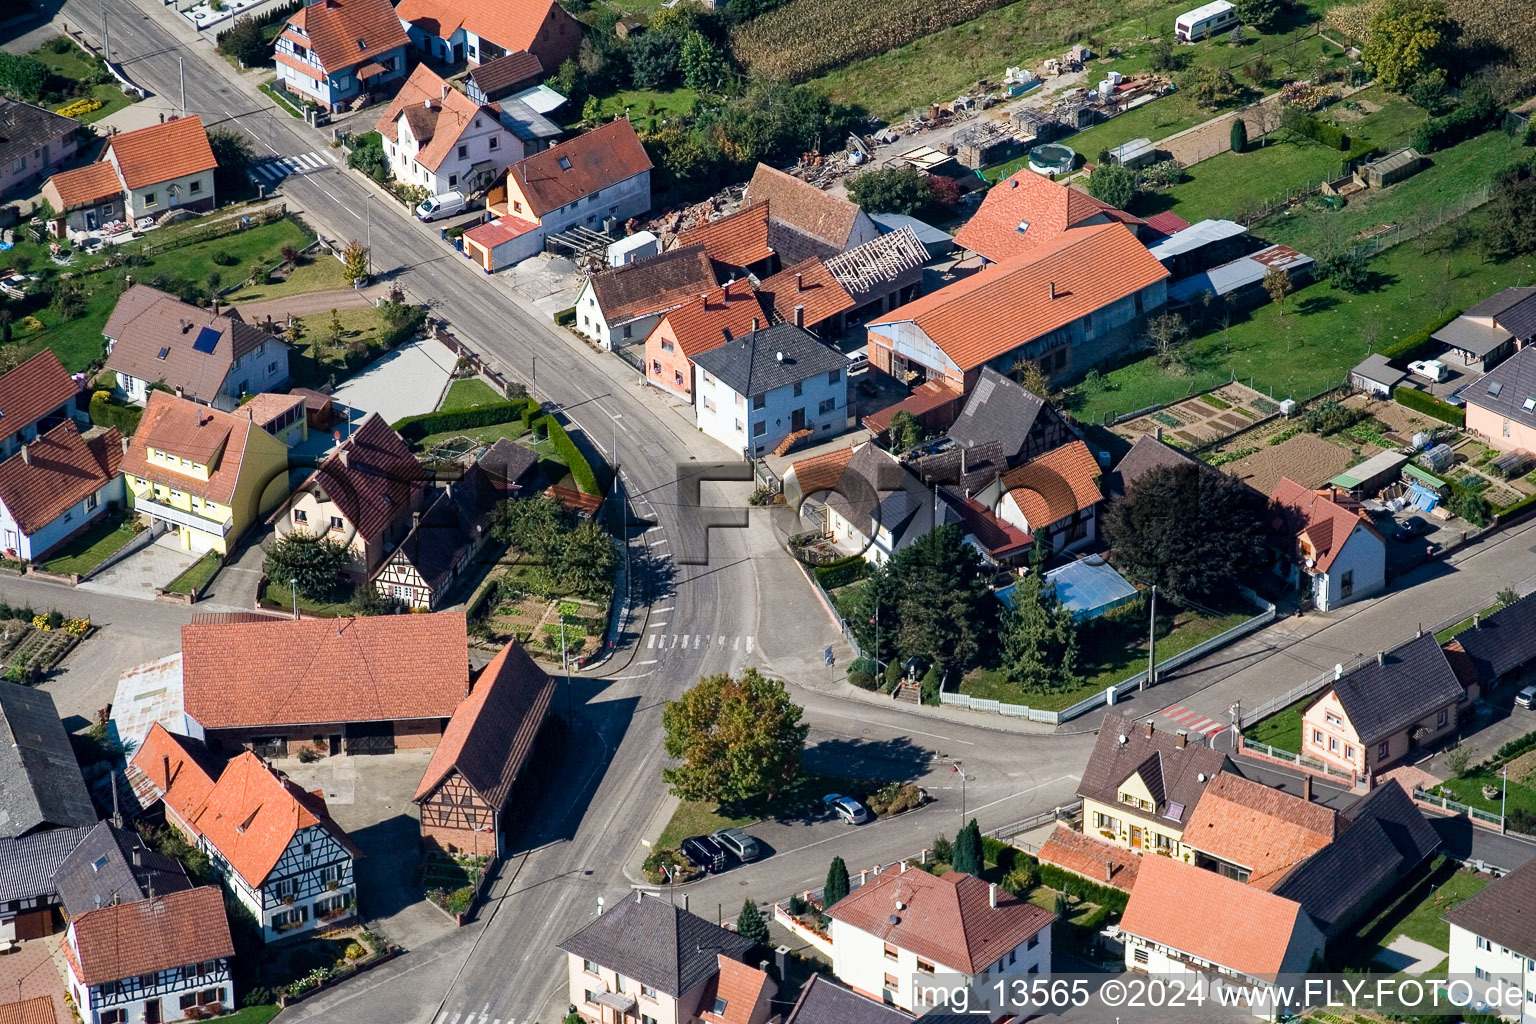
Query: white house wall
x=1363, y=554
x=729, y=418
x=1469, y=957
x=475, y=140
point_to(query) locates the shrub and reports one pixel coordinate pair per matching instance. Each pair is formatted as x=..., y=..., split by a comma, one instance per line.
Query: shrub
x=1473, y=116
x=1419, y=401
x=943, y=849
x=895, y=797
x=1331, y=417
x=566, y=317
x=565, y=448
x=223, y=259
x=1021, y=881
x=863, y=680
x=414, y=428
x=106, y=414
x=1299, y=121
x=1004, y=855
x=1472, y=507
x=1239, y=136
x=1419, y=342
x=841, y=573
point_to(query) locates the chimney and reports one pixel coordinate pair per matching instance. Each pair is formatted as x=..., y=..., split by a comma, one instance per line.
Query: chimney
x=799, y=281
x=1158, y=433
x=762, y=965
x=415, y=519
x=215, y=307
x=1109, y=870
x=445, y=90
x=685, y=903
x=1306, y=788
x=903, y=867
x=1053, y=289
x=181, y=392
x=1381, y=658
x=799, y=316
x=1183, y=739
x=756, y=323
x=138, y=855
x=125, y=445
x=341, y=457
x=992, y=895
x=1150, y=730
x=165, y=763
x=1477, y=620
x=184, y=325
x=781, y=962
x=26, y=454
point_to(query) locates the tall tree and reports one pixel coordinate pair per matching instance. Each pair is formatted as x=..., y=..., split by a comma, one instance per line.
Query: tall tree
x=316, y=563
x=875, y=617
x=586, y=561
x=233, y=153
x=705, y=67
x=354, y=261
x=1277, y=282
x=737, y=740
x=1188, y=529
x=246, y=42
x=532, y=525
x=836, y=886
x=967, y=854
x=1408, y=39
x=890, y=190
x=750, y=923
x=944, y=606
x=1260, y=14
x=1512, y=226
x=1039, y=636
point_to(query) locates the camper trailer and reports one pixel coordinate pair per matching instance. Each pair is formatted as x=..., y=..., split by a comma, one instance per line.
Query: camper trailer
x=1218, y=16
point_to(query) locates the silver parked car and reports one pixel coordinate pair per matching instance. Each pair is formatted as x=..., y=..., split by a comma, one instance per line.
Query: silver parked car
x=738, y=844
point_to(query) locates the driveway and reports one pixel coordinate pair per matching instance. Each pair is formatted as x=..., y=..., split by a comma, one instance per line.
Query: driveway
x=140, y=573
x=406, y=382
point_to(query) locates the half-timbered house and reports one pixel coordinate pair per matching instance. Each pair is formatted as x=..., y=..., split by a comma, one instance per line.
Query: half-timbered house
x=444, y=541
x=153, y=960
x=468, y=784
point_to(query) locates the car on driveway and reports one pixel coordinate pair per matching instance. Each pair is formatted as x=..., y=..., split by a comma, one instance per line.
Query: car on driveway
x=1412, y=527
x=1429, y=369
x=1526, y=698
x=738, y=844
x=846, y=807
x=703, y=853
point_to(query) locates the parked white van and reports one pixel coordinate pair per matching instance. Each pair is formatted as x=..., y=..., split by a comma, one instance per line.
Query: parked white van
x=1218, y=16
x=445, y=205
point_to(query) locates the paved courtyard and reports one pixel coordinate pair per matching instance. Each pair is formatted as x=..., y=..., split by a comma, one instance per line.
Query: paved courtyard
x=406, y=382
x=140, y=573
x=36, y=970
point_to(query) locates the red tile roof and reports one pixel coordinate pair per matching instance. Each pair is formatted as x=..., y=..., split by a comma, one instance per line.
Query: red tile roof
x=738, y=239
x=442, y=111
x=178, y=778
x=1210, y=916
x=146, y=936
x=999, y=308
x=810, y=284
x=372, y=478
x=810, y=210
x=38, y=386
x=1262, y=829
x=303, y=671
x=252, y=814
x=161, y=152
x=86, y=186
x=1050, y=488
x=575, y=169
x=1167, y=223
x=820, y=472
x=511, y=24
x=183, y=428
x=703, y=324
x=346, y=32
x=947, y=920
x=37, y=1010
x=499, y=231
x=64, y=469
x=997, y=230
x=1000, y=539
x=1320, y=523
x=493, y=730
x=267, y=406
x=925, y=398
x=740, y=986
x=1098, y=861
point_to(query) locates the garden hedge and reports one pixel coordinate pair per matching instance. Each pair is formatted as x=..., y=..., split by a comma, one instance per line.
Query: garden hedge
x=106, y=414
x=1415, y=399
x=1419, y=342
x=414, y=428
x=565, y=448
x=841, y=573
x=1317, y=131
x=1465, y=122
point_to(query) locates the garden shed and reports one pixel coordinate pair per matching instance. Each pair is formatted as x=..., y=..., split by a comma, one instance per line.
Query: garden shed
x=1136, y=153
x=1375, y=375
x=1392, y=168
x=1366, y=478
x=1088, y=588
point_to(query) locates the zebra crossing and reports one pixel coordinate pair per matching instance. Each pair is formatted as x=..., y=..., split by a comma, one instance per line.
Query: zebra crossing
x=460, y=1017
x=1194, y=722
x=276, y=168
x=661, y=640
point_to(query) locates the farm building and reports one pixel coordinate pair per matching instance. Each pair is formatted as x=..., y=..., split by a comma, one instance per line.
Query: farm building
x=1243, y=279
x=1201, y=246
x=1034, y=125
x=1375, y=375
x=1490, y=331
x=1391, y=169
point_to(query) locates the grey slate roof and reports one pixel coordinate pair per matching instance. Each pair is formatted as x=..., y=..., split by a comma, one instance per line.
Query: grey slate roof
x=1503, y=641
x=1385, y=836
x=1469, y=336
x=507, y=74
x=656, y=943
x=1175, y=773
x=28, y=863
x=102, y=870
x=1504, y=913
x=1001, y=409
x=24, y=128
x=749, y=365
x=1513, y=309
x=824, y=1001
x=40, y=781
x=1379, y=368
x=1506, y=388
x=1146, y=455
x=506, y=463
x=1399, y=688
x=448, y=527
x=902, y=502
x=969, y=467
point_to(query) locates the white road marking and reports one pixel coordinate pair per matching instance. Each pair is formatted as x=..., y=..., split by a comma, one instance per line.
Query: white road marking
x=749, y=645
x=651, y=662
x=696, y=643
x=736, y=644
x=656, y=625
x=653, y=543
x=457, y=1015
x=650, y=641
x=722, y=639
x=666, y=609
x=685, y=640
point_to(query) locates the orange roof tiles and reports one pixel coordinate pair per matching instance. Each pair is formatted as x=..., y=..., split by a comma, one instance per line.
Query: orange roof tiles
x=346, y=32
x=1093, y=858
x=161, y=152
x=496, y=232
x=371, y=477
x=445, y=111
x=1050, y=488
x=86, y=186
x=575, y=169
x=298, y=672
x=715, y=318
x=1026, y=210
x=809, y=284
x=1321, y=524
x=147, y=936
x=810, y=210
x=949, y=921
x=58, y=471
x=511, y=24
x=37, y=1010
x=183, y=428
x=1259, y=828
x=39, y=385
x=181, y=781
x=252, y=814
x=267, y=406
x=1212, y=917
x=821, y=472
x=652, y=285
x=1007, y=304
x=740, y=986
x=738, y=239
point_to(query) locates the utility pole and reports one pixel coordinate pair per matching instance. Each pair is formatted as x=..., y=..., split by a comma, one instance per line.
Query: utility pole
x=368, y=212
x=181, y=72
x=1151, y=679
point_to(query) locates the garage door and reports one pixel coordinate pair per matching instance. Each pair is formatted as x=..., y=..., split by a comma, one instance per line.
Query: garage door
x=371, y=738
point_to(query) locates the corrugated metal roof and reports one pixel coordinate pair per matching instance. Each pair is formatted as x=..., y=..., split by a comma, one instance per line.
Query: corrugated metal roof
x=1196, y=235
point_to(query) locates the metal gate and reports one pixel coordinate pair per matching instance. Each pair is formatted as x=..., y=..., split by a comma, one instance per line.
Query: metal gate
x=370, y=738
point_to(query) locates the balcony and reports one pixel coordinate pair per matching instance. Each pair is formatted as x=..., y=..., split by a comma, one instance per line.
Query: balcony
x=180, y=517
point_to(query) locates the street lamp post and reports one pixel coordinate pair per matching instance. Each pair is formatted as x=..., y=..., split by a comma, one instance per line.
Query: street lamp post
x=368, y=213
x=293, y=584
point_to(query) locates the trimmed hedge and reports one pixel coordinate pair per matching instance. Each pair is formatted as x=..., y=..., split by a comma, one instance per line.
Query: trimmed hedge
x=1417, y=343
x=1317, y=131
x=414, y=428
x=104, y=413
x=841, y=573
x=1417, y=400
x=565, y=448
x=1008, y=857
x=1466, y=121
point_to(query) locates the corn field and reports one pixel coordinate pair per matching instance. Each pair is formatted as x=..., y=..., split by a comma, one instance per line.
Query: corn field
x=1507, y=25
x=807, y=37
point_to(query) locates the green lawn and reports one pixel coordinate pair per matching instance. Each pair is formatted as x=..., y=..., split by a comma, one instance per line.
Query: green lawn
x=91, y=548
x=320, y=358
x=1322, y=331
x=483, y=435
x=699, y=817
x=1417, y=912
x=1281, y=729
x=1466, y=623
x=1223, y=185
x=642, y=105
x=1469, y=790
x=1109, y=650
x=468, y=394
x=277, y=97
x=694, y=818
x=319, y=273
x=278, y=596
x=251, y=1015
x=74, y=65
x=197, y=575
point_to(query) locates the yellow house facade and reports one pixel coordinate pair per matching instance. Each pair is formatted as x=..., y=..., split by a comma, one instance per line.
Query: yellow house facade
x=204, y=474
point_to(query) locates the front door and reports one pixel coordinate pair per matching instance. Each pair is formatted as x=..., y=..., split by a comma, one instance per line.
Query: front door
x=152, y=1011
x=797, y=420
x=90, y=220
x=1136, y=837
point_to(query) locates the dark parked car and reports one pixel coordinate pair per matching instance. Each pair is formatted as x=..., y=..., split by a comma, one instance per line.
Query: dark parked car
x=703, y=853
x=1412, y=527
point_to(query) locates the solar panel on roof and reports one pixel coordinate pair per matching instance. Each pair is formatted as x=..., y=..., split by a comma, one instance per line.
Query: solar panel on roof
x=207, y=338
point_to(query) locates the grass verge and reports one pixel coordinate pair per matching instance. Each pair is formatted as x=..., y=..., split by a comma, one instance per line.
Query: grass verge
x=1281, y=729
x=91, y=548
x=319, y=273
x=278, y=596
x=469, y=394
x=197, y=575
